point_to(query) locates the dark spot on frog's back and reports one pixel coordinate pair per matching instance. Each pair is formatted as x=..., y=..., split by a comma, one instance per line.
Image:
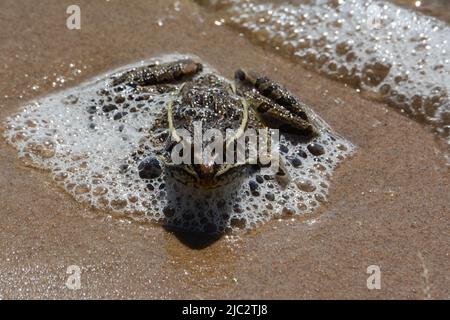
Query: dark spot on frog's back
x=149, y=168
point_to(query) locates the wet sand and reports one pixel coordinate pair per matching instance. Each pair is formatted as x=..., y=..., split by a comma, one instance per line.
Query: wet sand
x=435, y=8
x=388, y=205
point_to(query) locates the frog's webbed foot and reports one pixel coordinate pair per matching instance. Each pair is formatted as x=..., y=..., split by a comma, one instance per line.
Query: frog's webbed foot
x=156, y=74
x=274, y=104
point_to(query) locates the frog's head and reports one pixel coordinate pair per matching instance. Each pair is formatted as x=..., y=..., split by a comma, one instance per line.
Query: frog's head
x=197, y=169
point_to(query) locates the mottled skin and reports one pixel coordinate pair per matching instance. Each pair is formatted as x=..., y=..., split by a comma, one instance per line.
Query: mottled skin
x=253, y=102
x=158, y=73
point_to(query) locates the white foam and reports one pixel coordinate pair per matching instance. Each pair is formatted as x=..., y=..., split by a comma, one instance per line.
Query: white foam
x=95, y=159
x=392, y=53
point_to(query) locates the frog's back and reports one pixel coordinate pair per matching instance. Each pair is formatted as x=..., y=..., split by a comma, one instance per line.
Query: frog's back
x=210, y=101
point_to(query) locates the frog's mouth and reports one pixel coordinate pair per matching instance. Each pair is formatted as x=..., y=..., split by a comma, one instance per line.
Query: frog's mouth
x=203, y=176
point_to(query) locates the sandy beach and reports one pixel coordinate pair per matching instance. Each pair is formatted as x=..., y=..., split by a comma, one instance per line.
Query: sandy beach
x=388, y=204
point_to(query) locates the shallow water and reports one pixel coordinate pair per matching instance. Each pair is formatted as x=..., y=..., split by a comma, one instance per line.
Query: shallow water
x=384, y=203
x=390, y=53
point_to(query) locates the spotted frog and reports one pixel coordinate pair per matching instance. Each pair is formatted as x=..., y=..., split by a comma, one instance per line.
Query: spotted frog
x=252, y=101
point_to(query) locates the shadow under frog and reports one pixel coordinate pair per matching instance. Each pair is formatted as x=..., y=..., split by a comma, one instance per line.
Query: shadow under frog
x=199, y=217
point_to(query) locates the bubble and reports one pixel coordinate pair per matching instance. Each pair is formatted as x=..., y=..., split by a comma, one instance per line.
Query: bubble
x=259, y=179
x=284, y=149
x=119, y=99
x=270, y=196
x=239, y=223
x=61, y=176
x=109, y=108
x=119, y=203
x=302, y=154
x=320, y=198
x=316, y=149
x=288, y=212
x=320, y=167
x=83, y=188
x=43, y=149
x=296, y=162
x=305, y=185
x=70, y=99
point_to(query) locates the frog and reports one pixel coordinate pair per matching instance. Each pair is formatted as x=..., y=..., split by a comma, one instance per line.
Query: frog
x=250, y=101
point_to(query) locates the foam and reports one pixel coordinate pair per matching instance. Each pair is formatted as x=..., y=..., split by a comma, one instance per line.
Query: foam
x=95, y=159
x=393, y=54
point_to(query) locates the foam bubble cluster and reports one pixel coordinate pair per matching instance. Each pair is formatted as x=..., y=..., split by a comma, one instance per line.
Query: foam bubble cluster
x=394, y=54
x=92, y=138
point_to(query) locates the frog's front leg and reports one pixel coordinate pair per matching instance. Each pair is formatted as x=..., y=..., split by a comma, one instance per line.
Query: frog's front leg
x=274, y=104
x=158, y=73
